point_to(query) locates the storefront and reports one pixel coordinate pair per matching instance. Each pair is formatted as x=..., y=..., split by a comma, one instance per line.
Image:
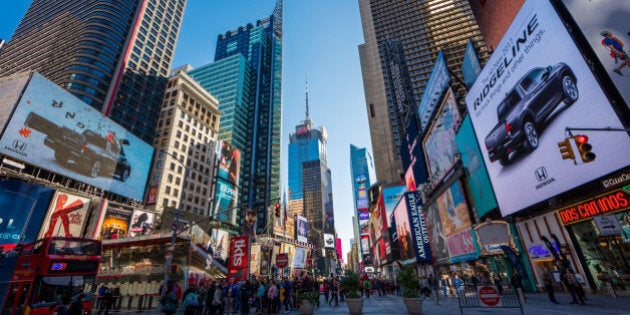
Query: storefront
x=599, y=228
x=541, y=258
x=136, y=267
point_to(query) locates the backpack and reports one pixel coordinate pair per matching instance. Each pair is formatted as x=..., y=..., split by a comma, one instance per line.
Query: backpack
x=190, y=300
x=366, y=284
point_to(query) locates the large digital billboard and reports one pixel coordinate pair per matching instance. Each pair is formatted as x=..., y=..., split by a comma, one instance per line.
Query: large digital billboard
x=142, y=223
x=360, y=186
x=391, y=196
x=67, y=216
x=364, y=219
x=521, y=104
x=116, y=223
x=604, y=25
x=23, y=209
x=302, y=229
x=477, y=174
x=437, y=83
x=439, y=144
x=439, y=249
x=226, y=196
x=54, y=130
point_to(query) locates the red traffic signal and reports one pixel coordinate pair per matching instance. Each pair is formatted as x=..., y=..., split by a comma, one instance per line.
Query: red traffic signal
x=277, y=209
x=581, y=141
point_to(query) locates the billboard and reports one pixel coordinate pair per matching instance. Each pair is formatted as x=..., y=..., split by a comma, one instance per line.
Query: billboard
x=299, y=258
x=403, y=232
x=238, y=262
x=454, y=212
x=227, y=182
x=360, y=182
x=142, y=223
x=338, y=249
x=418, y=227
x=365, y=245
x=521, y=78
x=24, y=207
x=603, y=24
x=477, y=174
x=439, y=142
x=470, y=65
x=391, y=196
x=54, y=130
x=376, y=219
x=116, y=223
x=302, y=229
x=329, y=240
x=364, y=219
x=438, y=82
x=67, y=216
x=439, y=249
x=219, y=244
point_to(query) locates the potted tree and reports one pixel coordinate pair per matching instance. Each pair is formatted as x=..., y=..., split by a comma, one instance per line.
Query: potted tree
x=350, y=285
x=307, y=293
x=410, y=290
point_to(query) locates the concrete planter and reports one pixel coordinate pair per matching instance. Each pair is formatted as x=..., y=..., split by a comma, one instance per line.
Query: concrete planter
x=355, y=306
x=306, y=308
x=414, y=306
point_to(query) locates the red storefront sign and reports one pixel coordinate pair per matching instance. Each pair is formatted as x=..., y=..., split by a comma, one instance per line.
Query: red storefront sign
x=610, y=202
x=238, y=260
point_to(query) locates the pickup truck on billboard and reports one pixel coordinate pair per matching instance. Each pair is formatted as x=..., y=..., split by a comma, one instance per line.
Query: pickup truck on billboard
x=527, y=108
x=88, y=151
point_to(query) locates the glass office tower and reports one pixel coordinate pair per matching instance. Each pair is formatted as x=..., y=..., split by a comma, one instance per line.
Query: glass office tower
x=114, y=56
x=362, y=177
x=246, y=77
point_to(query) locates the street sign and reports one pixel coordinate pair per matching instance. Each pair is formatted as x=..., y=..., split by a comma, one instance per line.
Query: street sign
x=282, y=260
x=489, y=296
x=608, y=225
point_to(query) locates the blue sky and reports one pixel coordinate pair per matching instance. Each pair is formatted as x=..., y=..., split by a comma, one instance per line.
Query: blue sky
x=321, y=41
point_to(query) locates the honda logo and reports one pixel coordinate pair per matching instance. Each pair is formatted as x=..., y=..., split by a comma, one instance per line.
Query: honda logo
x=19, y=145
x=541, y=174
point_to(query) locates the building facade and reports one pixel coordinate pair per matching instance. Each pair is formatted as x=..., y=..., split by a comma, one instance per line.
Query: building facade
x=421, y=30
x=185, y=163
x=362, y=177
x=252, y=102
x=113, y=56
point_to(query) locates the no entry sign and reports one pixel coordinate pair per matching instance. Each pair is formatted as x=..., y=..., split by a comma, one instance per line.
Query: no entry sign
x=282, y=260
x=488, y=296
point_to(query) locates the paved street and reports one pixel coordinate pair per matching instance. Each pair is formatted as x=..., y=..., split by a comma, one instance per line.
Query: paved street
x=537, y=304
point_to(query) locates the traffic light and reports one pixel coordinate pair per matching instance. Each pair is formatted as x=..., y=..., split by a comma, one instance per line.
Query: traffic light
x=277, y=209
x=566, y=150
x=581, y=141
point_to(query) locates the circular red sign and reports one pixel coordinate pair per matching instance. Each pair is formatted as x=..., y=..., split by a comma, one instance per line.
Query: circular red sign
x=489, y=296
x=282, y=260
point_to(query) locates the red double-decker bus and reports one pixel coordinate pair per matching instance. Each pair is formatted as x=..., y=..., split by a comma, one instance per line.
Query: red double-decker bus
x=49, y=271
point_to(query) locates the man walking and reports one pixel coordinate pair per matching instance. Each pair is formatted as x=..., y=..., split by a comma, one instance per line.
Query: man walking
x=548, y=282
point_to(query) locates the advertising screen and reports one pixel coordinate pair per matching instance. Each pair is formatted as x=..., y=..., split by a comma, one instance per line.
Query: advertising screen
x=365, y=245
x=528, y=93
x=67, y=216
x=376, y=219
x=329, y=240
x=478, y=180
x=454, y=212
x=439, y=142
x=302, y=229
x=226, y=198
x=364, y=219
x=418, y=227
x=18, y=201
x=438, y=82
x=470, y=66
x=299, y=260
x=360, y=183
x=142, y=223
x=391, y=196
x=461, y=246
x=54, y=130
x=438, y=240
x=403, y=231
x=219, y=245
x=116, y=223
x=338, y=248
x=606, y=30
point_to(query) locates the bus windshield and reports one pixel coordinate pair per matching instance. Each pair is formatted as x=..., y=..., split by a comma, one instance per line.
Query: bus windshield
x=50, y=290
x=73, y=247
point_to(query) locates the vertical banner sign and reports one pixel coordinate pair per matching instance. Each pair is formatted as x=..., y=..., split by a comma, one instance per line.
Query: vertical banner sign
x=66, y=216
x=511, y=255
x=418, y=227
x=238, y=262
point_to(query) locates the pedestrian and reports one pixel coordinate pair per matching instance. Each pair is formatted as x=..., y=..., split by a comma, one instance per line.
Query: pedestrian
x=101, y=298
x=191, y=301
x=548, y=282
x=367, y=287
x=229, y=293
x=76, y=308
x=572, y=285
x=288, y=295
x=246, y=294
x=169, y=301
x=498, y=282
x=443, y=285
x=260, y=293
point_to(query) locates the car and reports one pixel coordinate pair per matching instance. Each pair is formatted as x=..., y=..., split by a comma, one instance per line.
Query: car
x=527, y=108
x=94, y=154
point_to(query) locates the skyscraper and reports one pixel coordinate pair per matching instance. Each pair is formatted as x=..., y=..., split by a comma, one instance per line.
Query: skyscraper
x=114, y=56
x=246, y=77
x=310, y=179
x=362, y=177
x=411, y=32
